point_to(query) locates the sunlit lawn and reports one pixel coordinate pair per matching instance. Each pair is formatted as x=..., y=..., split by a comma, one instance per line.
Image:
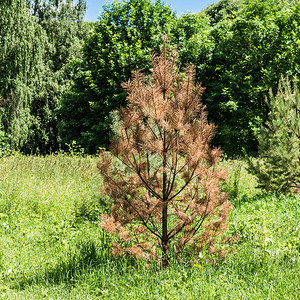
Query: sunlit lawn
x=53, y=248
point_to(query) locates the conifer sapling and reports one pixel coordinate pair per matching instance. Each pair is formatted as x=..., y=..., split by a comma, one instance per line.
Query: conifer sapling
x=278, y=165
x=167, y=193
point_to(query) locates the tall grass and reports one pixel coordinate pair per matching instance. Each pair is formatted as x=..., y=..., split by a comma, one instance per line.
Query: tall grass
x=51, y=245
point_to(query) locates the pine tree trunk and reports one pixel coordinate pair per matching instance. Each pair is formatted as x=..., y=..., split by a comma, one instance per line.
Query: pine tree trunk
x=165, y=260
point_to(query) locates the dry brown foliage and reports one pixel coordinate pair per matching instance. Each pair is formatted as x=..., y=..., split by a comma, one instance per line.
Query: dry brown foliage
x=168, y=191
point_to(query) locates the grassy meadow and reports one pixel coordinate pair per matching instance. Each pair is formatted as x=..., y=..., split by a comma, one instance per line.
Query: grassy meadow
x=52, y=247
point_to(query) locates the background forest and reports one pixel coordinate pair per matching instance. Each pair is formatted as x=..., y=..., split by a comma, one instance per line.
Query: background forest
x=65, y=200
x=60, y=77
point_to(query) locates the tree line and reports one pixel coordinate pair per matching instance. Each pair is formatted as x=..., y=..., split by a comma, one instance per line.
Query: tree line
x=60, y=77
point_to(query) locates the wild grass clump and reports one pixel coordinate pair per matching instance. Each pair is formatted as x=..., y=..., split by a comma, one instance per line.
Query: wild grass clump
x=240, y=184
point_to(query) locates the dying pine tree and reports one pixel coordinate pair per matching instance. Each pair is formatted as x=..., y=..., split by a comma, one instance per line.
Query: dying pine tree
x=167, y=193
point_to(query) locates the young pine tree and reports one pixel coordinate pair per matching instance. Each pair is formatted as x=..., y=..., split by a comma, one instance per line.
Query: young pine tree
x=278, y=167
x=167, y=193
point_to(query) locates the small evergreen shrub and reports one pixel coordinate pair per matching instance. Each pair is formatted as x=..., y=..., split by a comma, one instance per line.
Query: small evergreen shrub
x=278, y=165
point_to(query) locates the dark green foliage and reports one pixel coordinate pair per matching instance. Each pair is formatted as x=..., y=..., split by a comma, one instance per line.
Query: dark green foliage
x=123, y=37
x=279, y=141
x=251, y=51
x=192, y=35
x=5, y=148
x=222, y=9
x=63, y=23
x=239, y=49
x=21, y=64
x=37, y=38
x=65, y=30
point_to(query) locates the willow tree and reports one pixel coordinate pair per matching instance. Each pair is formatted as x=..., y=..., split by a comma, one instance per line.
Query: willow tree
x=167, y=192
x=62, y=21
x=37, y=40
x=22, y=47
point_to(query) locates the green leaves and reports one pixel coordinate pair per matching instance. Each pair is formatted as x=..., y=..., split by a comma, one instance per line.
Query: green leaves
x=121, y=42
x=37, y=40
x=238, y=48
x=251, y=49
x=21, y=63
x=192, y=35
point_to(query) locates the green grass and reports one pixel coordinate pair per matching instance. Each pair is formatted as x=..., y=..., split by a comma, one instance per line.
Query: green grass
x=51, y=245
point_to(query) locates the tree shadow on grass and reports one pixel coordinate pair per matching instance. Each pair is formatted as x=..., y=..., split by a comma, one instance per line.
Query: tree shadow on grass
x=263, y=196
x=87, y=257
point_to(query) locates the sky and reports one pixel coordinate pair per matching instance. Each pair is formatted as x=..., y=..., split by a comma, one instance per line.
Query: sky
x=94, y=7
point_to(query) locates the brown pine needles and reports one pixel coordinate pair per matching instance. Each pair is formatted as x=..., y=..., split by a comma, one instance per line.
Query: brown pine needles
x=168, y=191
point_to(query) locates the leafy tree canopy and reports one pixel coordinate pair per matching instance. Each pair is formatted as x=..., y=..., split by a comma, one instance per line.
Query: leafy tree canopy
x=65, y=29
x=192, y=35
x=123, y=37
x=222, y=9
x=21, y=64
x=38, y=38
x=251, y=51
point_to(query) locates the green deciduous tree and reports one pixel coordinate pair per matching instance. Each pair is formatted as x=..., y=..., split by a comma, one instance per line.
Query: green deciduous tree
x=250, y=52
x=222, y=9
x=278, y=167
x=125, y=33
x=63, y=22
x=192, y=35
